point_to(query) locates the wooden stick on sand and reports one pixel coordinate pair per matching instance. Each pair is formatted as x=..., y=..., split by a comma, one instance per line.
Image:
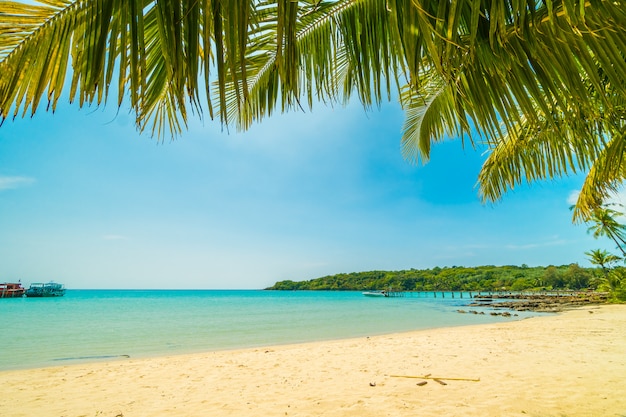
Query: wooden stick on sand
x=435, y=378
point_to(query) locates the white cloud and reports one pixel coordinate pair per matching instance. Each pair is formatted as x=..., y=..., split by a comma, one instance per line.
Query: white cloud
x=573, y=197
x=618, y=198
x=7, y=183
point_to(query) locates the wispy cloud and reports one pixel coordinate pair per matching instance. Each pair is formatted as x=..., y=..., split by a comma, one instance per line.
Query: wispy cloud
x=115, y=237
x=618, y=198
x=616, y=201
x=8, y=183
x=555, y=242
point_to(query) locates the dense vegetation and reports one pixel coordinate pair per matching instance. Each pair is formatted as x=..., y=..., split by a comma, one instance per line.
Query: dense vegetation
x=456, y=278
x=608, y=277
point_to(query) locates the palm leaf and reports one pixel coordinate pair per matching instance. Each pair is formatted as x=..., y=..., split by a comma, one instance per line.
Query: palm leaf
x=336, y=48
x=429, y=117
x=157, y=49
x=604, y=178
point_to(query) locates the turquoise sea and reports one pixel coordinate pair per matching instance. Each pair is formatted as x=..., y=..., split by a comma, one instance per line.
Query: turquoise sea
x=92, y=325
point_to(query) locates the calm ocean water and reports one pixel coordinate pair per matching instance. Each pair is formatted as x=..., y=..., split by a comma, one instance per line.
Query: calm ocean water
x=91, y=325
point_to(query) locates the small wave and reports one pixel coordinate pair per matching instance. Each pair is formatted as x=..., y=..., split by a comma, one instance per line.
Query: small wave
x=79, y=358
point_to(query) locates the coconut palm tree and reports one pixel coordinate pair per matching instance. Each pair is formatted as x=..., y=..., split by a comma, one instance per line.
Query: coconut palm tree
x=604, y=224
x=603, y=259
x=541, y=82
x=615, y=284
x=613, y=279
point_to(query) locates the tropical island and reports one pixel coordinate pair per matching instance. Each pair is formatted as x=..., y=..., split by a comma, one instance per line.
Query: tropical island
x=457, y=278
x=573, y=284
x=607, y=280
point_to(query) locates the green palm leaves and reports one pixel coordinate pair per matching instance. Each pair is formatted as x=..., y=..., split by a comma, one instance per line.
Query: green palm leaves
x=603, y=259
x=604, y=224
x=542, y=82
x=34, y=55
x=149, y=52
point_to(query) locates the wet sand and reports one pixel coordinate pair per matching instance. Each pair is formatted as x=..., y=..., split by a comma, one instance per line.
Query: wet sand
x=570, y=364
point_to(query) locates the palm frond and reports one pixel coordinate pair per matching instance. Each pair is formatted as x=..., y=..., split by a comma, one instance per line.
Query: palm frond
x=604, y=178
x=339, y=48
x=505, y=60
x=156, y=48
x=430, y=115
x=34, y=50
x=532, y=152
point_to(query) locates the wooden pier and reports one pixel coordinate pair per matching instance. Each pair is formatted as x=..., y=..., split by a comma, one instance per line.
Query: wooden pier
x=429, y=294
x=394, y=293
x=479, y=295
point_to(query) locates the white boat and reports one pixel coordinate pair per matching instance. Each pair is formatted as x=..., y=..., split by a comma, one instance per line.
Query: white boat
x=375, y=294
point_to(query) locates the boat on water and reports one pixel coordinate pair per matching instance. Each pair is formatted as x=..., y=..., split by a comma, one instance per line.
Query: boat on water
x=375, y=294
x=11, y=290
x=49, y=289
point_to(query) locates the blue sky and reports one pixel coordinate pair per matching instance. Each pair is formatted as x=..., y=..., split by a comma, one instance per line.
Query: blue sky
x=88, y=201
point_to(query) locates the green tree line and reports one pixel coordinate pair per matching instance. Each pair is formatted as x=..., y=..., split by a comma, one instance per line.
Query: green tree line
x=457, y=278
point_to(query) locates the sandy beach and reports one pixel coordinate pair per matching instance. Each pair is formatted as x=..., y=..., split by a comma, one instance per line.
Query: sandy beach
x=571, y=364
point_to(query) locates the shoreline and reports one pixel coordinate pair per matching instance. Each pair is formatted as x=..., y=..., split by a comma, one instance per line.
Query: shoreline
x=509, y=314
x=164, y=323
x=570, y=364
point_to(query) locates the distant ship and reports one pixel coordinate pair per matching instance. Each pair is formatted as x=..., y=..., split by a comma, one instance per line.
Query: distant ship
x=11, y=290
x=50, y=289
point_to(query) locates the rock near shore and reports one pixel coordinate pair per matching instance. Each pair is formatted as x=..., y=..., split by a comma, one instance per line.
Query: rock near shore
x=548, y=303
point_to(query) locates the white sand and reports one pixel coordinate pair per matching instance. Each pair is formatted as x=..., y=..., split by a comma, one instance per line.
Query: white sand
x=572, y=364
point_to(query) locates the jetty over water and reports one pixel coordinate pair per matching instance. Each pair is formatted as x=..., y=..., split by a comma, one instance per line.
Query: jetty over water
x=428, y=294
x=391, y=293
x=538, y=301
x=486, y=296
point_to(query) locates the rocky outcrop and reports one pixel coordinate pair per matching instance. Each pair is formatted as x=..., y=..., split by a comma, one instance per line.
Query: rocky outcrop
x=548, y=303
